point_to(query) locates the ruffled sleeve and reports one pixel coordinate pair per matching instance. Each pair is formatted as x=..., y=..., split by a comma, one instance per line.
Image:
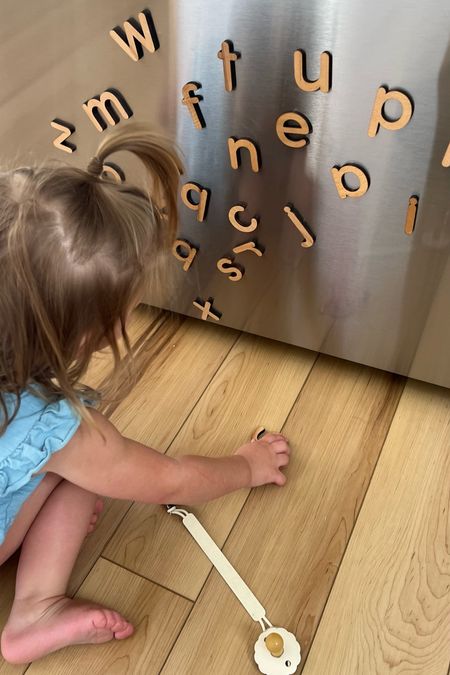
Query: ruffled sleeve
x=51, y=429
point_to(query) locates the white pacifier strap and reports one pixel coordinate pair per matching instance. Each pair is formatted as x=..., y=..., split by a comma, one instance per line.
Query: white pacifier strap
x=250, y=603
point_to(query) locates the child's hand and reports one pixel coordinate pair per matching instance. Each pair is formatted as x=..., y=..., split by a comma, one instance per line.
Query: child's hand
x=265, y=458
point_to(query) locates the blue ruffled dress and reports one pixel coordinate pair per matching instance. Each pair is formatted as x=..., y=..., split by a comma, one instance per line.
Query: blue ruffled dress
x=38, y=430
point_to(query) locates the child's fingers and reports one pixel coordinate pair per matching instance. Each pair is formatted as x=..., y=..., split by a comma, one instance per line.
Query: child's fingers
x=280, y=446
x=282, y=459
x=280, y=479
x=271, y=438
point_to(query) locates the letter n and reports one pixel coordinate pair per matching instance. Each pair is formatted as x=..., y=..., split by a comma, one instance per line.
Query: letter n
x=235, y=144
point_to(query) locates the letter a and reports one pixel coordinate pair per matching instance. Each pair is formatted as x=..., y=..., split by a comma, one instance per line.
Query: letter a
x=131, y=39
x=190, y=251
x=202, y=205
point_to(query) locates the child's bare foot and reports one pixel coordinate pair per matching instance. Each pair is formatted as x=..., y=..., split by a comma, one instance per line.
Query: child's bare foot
x=36, y=629
x=98, y=508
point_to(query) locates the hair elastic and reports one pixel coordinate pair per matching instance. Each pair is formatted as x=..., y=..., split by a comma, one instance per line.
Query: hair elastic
x=95, y=166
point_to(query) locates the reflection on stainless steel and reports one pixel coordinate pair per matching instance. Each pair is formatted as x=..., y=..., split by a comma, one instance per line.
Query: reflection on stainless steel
x=365, y=290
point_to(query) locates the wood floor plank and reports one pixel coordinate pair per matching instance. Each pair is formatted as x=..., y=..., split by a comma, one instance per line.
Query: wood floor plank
x=140, y=321
x=170, y=388
x=389, y=610
x=7, y=581
x=287, y=544
x=257, y=384
x=156, y=613
x=157, y=407
x=113, y=512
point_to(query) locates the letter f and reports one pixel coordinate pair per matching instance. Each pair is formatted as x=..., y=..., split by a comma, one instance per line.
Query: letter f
x=192, y=103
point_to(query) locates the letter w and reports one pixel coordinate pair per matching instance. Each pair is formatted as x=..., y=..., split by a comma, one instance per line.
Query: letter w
x=131, y=39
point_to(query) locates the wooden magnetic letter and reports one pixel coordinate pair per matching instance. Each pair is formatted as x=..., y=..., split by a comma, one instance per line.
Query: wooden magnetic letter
x=344, y=191
x=191, y=252
x=226, y=266
x=206, y=309
x=67, y=130
x=248, y=246
x=377, y=118
x=114, y=170
x=235, y=223
x=234, y=144
x=309, y=239
x=411, y=214
x=191, y=102
x=107, y=105
x=228, y=57
x=131, y=39
x=202, y=206
x=446, y=157
x=323, y=82
x=302, y=127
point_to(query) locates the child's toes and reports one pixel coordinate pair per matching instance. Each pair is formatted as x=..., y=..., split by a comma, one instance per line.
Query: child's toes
x=125, y=632
x=93, y=522
x=119, y=626
x=114, y=622
x=100, y=618
x=117, y=622
x=98, y=508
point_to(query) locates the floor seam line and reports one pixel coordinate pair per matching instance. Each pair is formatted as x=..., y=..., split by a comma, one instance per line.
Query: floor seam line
x=354, y=526
x=141, y=576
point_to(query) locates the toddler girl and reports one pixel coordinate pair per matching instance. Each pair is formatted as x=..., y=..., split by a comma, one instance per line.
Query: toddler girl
x=76, y=252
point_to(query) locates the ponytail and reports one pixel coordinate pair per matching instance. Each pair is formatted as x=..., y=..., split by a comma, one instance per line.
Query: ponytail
x=159, y=157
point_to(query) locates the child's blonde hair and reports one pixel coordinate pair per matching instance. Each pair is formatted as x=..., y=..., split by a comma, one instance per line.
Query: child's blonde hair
x=75, y=251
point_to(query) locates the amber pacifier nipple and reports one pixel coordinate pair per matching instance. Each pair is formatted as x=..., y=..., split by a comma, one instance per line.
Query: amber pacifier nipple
x=277, y=652
x=275, y=644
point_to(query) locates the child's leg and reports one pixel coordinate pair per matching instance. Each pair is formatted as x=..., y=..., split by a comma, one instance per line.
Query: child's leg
x=28, y=512
x=42, y=619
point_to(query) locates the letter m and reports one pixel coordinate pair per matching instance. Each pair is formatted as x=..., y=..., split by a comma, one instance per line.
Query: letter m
x=131, y=39
x=104, y=109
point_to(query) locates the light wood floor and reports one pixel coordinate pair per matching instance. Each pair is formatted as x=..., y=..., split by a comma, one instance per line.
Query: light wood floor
x=353, y=555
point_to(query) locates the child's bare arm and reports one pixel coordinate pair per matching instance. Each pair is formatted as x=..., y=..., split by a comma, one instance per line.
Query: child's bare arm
x=125, y=469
